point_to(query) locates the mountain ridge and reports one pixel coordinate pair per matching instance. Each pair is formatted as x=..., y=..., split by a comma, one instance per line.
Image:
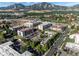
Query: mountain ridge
x=40, y=6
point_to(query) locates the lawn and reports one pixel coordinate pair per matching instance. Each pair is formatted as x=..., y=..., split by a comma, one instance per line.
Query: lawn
x=1, y=37
x=74, y=30
x=71, y=40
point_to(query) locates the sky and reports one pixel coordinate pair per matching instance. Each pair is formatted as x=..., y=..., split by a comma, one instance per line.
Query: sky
x=4, y=4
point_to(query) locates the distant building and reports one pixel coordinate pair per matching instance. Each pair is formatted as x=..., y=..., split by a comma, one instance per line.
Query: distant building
x=75, y=37
x=6, y=50
x=58, y=27
x=15, y=28
x=32, y=23
x=44, y=25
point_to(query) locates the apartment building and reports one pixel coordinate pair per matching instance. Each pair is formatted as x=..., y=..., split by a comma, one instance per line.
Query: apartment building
x=44, y=25
x=26, y=32
x=32, y=23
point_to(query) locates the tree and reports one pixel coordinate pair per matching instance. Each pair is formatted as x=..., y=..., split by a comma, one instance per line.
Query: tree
x=4, y=22
x=23, y=48
x=77, y=27
x=38, y=48
x=44, y=48
x=32, y=44
x=42, y=36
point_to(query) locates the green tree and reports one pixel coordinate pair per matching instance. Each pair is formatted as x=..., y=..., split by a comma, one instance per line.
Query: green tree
x=32, y=44
x=38, y=48
x=44, y=48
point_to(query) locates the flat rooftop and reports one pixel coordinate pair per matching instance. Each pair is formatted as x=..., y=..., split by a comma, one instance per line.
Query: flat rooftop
x=25, y=29
x=6, y=50
x=45, y=23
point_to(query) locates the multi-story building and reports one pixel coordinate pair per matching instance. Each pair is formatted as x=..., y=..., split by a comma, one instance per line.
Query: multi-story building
x=57, y=27
x=32, y=23
x=44, y=25
x=25, y=32
x=15, y=28
x=7, y=50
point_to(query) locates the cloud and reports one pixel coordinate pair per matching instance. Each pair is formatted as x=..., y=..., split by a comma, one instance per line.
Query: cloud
x=71, y=3
x=4, y=4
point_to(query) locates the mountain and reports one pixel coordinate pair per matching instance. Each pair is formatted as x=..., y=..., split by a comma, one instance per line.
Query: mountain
x=47, y=6
x=40, y=6
x=75, y=7
x=14, y=6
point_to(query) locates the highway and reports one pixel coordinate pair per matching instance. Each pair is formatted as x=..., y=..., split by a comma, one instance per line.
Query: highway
x=53, y=49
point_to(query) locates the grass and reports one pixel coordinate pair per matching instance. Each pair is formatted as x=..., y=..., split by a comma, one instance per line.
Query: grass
x=70, y=40
x=1, y=34
x=1, y=38
x=74, y=31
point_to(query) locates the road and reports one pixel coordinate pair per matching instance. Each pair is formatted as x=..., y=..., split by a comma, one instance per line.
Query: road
x=53, y=49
